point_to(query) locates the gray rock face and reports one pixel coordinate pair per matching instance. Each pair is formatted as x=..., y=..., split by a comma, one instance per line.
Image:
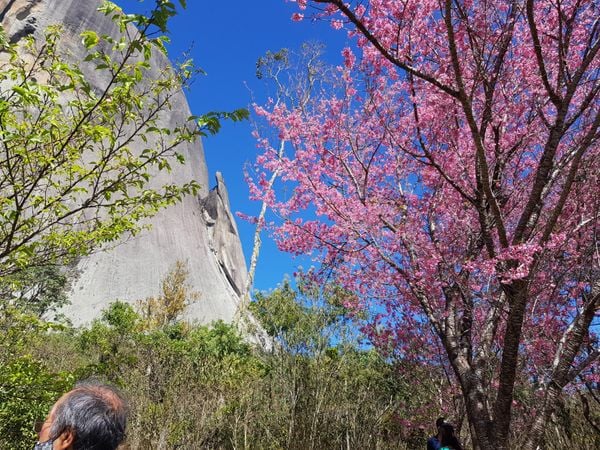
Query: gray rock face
x=223, y=235
x=200, y=231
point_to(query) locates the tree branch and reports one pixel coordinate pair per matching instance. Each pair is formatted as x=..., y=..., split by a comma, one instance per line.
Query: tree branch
x=384, y=52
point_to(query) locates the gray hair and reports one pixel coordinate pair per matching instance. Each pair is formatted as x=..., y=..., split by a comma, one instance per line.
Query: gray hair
x=95, y=413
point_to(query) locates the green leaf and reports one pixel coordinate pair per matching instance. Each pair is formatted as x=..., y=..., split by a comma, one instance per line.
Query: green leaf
x=90, y=39
x=21, y=91
x=147, y=52
x=240, y=114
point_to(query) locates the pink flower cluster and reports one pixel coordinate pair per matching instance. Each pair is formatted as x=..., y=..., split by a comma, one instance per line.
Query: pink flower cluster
x=440, y=176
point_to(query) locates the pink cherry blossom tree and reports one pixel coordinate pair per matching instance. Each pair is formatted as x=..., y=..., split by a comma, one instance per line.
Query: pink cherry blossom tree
x=451, y=179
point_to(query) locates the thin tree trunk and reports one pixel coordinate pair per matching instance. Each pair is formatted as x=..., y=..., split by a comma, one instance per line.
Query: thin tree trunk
x=241, y=314
x=478, y=416
x=473, y=394
x=508, y=366
x=563, y=371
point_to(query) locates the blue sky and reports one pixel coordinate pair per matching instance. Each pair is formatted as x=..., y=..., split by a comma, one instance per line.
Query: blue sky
x=226, y=39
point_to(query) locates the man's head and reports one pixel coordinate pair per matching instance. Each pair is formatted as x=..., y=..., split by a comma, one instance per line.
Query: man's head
x=440, y=421
x=90, y=417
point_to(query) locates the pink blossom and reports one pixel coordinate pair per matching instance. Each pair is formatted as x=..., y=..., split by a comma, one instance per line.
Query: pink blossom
x=337, y=24
x=349, y=58
x=446, y=197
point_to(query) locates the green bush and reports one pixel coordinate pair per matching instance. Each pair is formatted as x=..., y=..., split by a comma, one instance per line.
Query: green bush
x=27, y=391
x=197, y=386
x=28, y=388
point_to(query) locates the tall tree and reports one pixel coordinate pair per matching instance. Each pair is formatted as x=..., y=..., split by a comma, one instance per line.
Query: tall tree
x=76, y=157
x=452, y=183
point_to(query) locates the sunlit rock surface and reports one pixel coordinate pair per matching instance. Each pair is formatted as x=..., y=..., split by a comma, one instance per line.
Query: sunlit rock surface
x=200, y=231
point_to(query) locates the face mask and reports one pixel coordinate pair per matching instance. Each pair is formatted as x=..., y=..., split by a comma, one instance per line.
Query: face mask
x=43, y=445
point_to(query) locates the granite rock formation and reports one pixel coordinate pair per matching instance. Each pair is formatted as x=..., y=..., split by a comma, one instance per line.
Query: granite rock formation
x=200, y=231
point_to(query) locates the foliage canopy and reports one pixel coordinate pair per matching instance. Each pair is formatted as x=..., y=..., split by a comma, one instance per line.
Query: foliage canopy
x=449, y=177
x=83, y=135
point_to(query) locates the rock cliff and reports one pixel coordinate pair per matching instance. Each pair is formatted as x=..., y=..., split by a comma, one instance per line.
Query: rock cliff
x=200, y=231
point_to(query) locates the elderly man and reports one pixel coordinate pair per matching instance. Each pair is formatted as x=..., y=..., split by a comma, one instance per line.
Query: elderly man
x=91, y=416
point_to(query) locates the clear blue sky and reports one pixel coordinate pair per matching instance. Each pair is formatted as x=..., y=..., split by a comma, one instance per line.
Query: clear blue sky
x=227, y=38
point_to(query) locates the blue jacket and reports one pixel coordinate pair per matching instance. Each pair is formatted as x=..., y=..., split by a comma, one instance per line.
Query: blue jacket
x=433, y=443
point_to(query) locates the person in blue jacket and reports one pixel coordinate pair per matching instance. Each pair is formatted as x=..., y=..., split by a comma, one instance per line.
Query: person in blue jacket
x=434, y=442
x=448, y=440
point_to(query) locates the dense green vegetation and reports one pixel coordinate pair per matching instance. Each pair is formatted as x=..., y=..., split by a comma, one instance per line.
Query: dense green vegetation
x=189, y=386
